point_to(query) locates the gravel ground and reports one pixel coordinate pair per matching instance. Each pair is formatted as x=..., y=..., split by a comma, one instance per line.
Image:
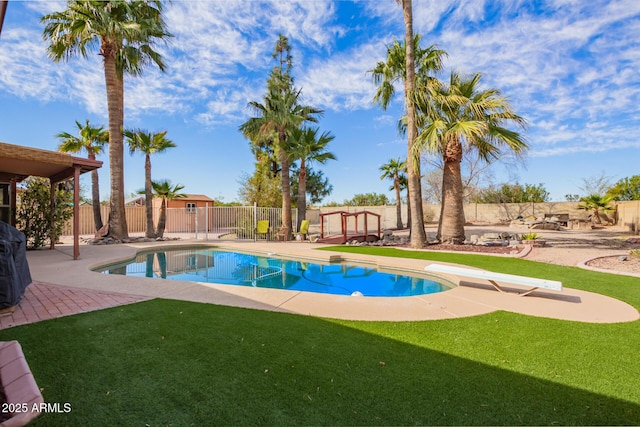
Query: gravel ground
x=630, y=264
x=600, y=248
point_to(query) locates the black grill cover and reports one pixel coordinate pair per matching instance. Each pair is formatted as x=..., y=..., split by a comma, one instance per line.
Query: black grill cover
x=14, y=269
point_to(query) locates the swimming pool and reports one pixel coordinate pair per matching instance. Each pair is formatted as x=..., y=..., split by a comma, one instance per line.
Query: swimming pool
x=220, y=266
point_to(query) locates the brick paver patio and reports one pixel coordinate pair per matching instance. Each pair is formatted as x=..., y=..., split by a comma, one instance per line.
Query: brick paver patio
x=44, y=301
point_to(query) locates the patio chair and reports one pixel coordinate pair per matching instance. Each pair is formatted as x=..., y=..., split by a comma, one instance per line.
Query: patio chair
x=262, y=228
x=304, y=230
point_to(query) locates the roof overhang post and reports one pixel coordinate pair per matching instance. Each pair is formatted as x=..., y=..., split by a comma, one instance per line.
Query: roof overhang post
x=13, y=204
x=52, y=202
x=76, y=212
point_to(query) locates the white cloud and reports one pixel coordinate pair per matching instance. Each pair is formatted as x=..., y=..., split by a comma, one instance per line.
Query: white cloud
x=572, y=65
x=45, y=6
x=24, y=66
x=341, y=81
x=307, y=21
x=204, y=59
x=570, y=70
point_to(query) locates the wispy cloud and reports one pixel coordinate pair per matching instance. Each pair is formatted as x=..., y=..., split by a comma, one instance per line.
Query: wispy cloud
x=30, y=75
x=572, y=64
x=341, y=81
x=570, y=69
x=205, y=58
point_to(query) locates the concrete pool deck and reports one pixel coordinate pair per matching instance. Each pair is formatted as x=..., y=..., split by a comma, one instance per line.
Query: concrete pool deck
x=58, y=268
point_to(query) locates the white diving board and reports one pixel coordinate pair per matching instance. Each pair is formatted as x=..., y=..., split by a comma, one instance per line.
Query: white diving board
x=493, y=278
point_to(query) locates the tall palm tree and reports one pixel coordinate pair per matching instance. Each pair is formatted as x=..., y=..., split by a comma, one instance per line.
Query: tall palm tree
x=387, y=74
x=307, y=146
x=91, y=139
x=402, y=61
x=392, y=170
x=148, y=143
x=277, y=117
x=459, y=115
x=166, y=192
x=418, y=235
x=125, y=32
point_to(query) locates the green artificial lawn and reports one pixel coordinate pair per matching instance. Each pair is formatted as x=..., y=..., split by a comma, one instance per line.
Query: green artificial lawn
x=165, y=362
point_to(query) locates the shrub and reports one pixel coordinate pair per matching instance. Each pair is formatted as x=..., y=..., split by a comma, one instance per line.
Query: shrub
x=35, y=216
x=529, y=236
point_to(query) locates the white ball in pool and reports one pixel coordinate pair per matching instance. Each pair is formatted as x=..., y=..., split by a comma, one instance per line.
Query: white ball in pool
x=356, y=294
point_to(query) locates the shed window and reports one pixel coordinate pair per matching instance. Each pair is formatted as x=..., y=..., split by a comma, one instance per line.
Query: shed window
x=191, y=207
x=5, y=204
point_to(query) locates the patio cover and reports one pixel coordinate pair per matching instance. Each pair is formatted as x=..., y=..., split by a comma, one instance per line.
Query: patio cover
x=18, y=162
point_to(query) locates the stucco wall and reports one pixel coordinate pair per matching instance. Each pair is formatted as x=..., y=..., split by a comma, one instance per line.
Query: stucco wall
x=626, y=215
x=629, y=215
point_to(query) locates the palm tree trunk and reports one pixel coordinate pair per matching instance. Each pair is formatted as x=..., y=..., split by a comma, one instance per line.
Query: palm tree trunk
x=408, y=212
x=302, y=193
x=396, y=185
x=286, y=196
x=439, y=233
x=596, y=216
x=162, y=220
x=452, y=211
x=95, y=193
x=95, y=199
x=148, y=197
x=418, y=236
x=115, y=104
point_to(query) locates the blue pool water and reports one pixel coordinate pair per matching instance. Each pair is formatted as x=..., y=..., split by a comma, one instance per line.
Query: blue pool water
x=242, y=269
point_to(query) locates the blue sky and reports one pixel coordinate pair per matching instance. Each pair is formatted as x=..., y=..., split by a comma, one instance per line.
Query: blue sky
x=570, y=67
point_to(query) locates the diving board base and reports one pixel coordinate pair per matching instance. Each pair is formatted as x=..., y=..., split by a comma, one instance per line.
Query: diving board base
x=532, y=283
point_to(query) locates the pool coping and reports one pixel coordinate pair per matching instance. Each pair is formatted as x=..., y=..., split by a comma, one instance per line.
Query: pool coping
x=333, y=259
x=471, y=298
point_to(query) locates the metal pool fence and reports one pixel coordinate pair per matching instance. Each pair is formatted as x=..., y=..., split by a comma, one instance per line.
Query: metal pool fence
x=212, y=222
x=224, y=222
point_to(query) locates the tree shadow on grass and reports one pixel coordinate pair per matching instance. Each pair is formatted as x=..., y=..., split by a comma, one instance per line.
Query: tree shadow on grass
x=165, y=362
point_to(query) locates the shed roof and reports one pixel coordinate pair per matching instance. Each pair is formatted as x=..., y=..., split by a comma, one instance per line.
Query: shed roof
x=196, y=197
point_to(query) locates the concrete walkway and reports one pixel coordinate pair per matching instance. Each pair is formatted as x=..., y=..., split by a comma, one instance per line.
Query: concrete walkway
x=64, y=286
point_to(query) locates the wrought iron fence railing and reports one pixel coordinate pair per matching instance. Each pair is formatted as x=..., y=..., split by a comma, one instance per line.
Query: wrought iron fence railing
x=211, y=222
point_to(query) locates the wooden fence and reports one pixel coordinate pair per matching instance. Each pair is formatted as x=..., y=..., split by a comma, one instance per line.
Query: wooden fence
x=136, y=221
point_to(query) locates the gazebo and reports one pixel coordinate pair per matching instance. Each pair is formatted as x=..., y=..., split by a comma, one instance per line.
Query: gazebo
x=19, y=162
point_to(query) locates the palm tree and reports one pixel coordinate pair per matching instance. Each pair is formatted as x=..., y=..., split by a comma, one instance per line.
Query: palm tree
x=305, y=145
x=402, y=59
x=91, y=139
x=386, y=75
x=125, y=32
x=148, y=143
x=456, y=116
x=595, y=203
x=276, y=119
x=166, y=192
x=392, y=170
x=418, y=236
x=404, y=185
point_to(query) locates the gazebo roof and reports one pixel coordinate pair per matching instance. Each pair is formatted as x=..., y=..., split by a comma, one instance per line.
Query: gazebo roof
x=18, y=162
